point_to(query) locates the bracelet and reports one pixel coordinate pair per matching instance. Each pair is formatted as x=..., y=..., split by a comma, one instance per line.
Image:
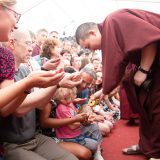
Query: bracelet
x=144, y=71
x=42, y=68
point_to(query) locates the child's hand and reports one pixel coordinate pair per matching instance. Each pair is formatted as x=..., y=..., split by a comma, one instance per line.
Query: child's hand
x=139, y=78
x=91, y=118
x=81, y=117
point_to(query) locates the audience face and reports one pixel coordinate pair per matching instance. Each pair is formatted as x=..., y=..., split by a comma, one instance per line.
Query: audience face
x=67, y=45
x=99, y=78
x=86, y=81
x=54, y=35
x=41, y=37
x=67, y=56
x=95, y=64
x=76, y=63
x=8, y=20
x=23, y=48
x=55, y=52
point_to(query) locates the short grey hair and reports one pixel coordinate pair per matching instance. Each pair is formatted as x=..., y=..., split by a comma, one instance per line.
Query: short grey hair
x=82, y=30
x=89, y=71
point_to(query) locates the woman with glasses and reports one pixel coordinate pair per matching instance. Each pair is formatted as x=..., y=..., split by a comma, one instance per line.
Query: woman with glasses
x=14, y=93
x=9, y=18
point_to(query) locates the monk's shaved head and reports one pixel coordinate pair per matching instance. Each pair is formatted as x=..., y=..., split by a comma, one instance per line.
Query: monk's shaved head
x=83, y=29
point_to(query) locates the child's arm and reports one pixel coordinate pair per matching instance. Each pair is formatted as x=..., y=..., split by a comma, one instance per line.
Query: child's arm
x=47, y=122
x=147, y=58
x=74, y=125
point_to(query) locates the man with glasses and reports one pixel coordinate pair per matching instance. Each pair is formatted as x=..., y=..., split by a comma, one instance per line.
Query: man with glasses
x=21, y=141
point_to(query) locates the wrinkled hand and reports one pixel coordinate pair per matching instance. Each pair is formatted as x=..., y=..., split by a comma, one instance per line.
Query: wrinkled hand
x=52, y=64
x=139, y=78
x=70, y=80
x=43, y=79
x=99, y=118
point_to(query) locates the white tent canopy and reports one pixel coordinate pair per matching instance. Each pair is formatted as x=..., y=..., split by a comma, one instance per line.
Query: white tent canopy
x=66, y=15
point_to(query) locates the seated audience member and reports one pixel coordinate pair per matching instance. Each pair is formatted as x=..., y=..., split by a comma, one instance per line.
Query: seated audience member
x=96, y=63
x=88, y=136
x=50, y=51
x=67, y=45
x=76, y=62
x=21, y=141
x=41, y=36
x=66, y=55
x=49, y=122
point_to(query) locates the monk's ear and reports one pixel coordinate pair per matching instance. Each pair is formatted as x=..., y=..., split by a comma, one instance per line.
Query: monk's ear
x=91, y=32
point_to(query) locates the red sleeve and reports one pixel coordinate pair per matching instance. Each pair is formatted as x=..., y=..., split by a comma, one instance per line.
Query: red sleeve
x=7, y=64
x=125, y=31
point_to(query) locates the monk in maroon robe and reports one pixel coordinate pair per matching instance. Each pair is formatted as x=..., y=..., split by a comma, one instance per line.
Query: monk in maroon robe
x=131, y=36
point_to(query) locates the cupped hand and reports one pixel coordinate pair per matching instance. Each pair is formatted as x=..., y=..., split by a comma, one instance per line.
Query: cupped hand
x=69, y=81
x=43, y=79
x=51, y=64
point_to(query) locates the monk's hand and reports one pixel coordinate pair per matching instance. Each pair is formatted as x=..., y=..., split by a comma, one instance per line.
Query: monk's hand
x=139, y=78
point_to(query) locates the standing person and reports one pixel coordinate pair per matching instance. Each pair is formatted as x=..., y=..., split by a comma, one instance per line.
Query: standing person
x=131, y=35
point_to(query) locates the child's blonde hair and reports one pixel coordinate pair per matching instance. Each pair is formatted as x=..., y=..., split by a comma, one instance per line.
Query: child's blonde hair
x=65, y=93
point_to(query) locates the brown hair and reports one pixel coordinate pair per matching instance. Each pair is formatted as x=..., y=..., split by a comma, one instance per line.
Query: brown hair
x=49, y=44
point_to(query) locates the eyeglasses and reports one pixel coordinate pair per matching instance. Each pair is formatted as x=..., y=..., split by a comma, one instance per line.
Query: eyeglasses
x=27, y=43
x=16, y=15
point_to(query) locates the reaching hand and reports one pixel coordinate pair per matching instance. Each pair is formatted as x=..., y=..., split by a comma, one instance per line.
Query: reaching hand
x=81, y=117
x=70, y=80
x=43, y=79
x=51, y=64
x=139, y=78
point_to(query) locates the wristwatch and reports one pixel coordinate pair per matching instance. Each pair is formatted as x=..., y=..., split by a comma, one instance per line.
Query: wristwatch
x=143, y=70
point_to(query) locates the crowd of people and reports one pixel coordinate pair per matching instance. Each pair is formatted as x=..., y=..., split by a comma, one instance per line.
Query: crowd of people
x=59, y=98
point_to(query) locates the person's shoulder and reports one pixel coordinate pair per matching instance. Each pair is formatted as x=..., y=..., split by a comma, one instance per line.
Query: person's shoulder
x=6, y=53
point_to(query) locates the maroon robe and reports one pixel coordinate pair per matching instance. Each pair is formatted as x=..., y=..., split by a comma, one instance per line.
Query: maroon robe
x=124, y=34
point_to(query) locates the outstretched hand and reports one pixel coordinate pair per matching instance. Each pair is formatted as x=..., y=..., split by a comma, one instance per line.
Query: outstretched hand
x=43, y=79
x=70, y=80
x=51, y=64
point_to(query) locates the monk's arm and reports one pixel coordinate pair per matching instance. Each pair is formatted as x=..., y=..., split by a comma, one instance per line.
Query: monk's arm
x=148, y=56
